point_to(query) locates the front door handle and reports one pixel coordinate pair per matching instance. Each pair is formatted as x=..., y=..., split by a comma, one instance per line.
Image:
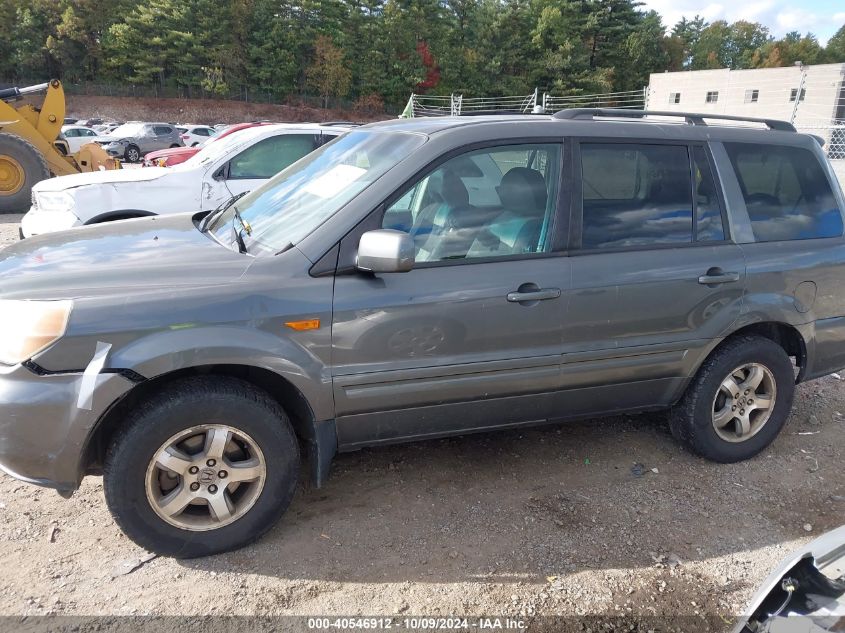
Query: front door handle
x=717, y=276
x=540, y=294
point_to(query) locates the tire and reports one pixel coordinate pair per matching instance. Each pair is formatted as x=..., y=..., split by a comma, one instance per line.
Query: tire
x=131, y=468
x=694, y=420
x=21, y=166
x=132, y=154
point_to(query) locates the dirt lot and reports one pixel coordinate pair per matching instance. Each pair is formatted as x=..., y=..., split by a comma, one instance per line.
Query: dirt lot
x=209, y=111
x=547, y=522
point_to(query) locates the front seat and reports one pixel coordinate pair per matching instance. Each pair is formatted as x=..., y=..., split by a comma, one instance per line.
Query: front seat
x=517, y=229
x=435, y=230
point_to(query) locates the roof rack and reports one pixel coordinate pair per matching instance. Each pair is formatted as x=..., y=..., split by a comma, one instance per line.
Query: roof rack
x=349, y=123
x=690, y=118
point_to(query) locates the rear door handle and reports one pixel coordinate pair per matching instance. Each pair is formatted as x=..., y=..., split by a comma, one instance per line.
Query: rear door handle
x=534, y=295
x=717, y=276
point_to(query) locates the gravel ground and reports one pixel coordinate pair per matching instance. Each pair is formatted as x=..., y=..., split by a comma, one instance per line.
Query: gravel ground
x=548, y=522
x=9, y=228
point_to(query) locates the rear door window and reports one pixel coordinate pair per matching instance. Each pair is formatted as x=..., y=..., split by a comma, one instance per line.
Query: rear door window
x=635, y=195
x=163, y=130
x=786, y=191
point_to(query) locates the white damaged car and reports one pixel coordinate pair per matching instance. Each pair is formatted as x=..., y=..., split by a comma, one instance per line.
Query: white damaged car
x=234, y=165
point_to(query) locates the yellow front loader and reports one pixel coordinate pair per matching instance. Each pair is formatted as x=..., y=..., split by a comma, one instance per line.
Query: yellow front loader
x=30, y=148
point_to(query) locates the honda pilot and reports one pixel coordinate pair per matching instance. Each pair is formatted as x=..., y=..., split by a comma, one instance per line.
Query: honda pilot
x=417, y=279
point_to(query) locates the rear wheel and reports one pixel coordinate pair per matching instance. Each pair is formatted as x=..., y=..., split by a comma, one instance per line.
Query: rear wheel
x=205, y=466
x=738, y=401
x=21, y=166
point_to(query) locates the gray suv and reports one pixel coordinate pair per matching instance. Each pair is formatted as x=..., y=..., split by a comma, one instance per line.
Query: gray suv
x=419, y=279
x=132, y=140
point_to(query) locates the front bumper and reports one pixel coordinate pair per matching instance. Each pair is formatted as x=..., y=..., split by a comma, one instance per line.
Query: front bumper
x=43, y=433
x=37, y=222
x=116, y=151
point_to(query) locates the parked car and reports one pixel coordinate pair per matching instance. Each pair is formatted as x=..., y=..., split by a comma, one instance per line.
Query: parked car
x=195, y=135
x=418, y=279
x=175, y=155
x=89, y=122
x=234, y=165
x=106, y=128
x=77, y=136
x=131, y=141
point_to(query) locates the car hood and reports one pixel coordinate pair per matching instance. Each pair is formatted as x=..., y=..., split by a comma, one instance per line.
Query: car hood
x=118, y=258
x=110, y=176
x=172, y=151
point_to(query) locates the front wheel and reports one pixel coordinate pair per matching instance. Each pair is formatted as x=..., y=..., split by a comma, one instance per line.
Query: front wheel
x=738, y=401
x=205, y=466
x=132, y=153
x=21, y=166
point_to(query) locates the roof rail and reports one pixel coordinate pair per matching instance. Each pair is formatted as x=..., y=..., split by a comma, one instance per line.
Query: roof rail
x=349, y=123
x=690, y=118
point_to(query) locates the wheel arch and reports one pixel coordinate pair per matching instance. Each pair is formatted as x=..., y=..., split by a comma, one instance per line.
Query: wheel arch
x=122, y=214
x=784, y=334
x=318, y=438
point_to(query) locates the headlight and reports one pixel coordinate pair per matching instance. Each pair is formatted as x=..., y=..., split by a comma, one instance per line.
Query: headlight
x=55, y=201
x=27, y=327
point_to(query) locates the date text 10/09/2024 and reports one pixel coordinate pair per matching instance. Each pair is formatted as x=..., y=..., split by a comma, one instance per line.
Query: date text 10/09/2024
x=419, y=623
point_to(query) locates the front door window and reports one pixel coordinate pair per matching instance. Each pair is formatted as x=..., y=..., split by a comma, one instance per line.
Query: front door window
x=494, y=202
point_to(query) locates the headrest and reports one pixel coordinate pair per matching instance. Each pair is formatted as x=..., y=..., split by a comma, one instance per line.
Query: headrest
x=523, y=189
x=454, y=192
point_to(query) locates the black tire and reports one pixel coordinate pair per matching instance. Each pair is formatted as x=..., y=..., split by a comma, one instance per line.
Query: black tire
x=35, y=169
x=132, y=153
x=180, y=406
x=691, y=419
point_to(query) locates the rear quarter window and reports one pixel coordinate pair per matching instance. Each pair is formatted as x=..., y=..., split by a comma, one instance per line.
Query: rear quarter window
x=786, y=192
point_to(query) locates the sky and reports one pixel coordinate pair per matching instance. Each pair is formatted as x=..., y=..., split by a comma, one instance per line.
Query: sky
x=820, y=17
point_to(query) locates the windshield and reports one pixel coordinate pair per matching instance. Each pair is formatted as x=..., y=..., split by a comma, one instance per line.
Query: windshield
x=300, y=198
x=128, y=129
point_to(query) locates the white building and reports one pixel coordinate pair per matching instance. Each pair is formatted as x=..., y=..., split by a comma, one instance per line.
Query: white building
x=811, y=97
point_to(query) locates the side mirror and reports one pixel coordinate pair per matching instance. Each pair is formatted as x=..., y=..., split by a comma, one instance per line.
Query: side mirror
x=385, y=251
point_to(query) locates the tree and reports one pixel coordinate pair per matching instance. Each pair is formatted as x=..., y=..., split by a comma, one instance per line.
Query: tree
x=745, y=39
x=793, y=47
x=272, y=49
x=328, y=73
x=686, y=34
x=835, y=50
x=713, y=48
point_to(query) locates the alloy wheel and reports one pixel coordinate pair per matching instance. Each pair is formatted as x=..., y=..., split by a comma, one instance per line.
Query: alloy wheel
x=205, y=477
x=744, y=402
